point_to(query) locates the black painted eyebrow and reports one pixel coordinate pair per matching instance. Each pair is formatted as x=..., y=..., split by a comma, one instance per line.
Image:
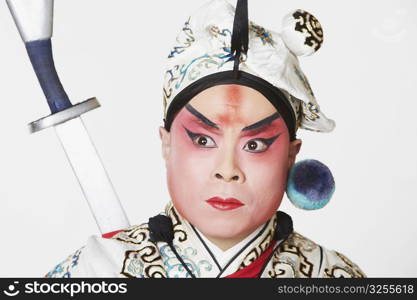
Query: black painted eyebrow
x=263, y=122
x=206, y=121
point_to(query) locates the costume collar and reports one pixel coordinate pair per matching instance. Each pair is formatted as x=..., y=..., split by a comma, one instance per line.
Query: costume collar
x=224, y=256
x=195, y=252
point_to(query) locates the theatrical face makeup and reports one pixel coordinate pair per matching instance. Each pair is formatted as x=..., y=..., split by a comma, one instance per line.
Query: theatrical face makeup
x=227, y=158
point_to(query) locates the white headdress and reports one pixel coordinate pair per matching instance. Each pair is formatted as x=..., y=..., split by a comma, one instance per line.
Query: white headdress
x=213, y=48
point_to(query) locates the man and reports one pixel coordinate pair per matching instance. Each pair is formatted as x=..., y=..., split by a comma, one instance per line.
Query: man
x=234, y=99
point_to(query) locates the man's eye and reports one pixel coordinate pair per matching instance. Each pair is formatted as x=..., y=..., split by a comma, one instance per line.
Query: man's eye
x=256, y=146
x=201, y=140
x=204, y=141
x=259, y=145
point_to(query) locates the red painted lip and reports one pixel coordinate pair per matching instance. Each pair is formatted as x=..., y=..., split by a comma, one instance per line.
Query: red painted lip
x=224, y=204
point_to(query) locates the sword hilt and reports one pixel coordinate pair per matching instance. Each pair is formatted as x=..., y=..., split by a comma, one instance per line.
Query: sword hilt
x=40, y=54
x=34, y=20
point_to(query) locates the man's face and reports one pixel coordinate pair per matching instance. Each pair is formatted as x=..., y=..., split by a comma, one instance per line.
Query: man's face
x=227, y=158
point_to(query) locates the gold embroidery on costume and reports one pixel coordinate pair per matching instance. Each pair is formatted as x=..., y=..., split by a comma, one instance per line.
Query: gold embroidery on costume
x=349, y=270
x=179, y=233
x=134, y=235
x=354, y=267
x=291, y=258
x=283, y=267
x=145, y=262
x=262, y=33
x=262, y=246
x=338, y=272
x=311, y=111
x=155, y=271
x=305, y=266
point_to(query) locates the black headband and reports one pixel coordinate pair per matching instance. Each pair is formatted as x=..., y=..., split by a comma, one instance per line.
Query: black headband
x=272, y=93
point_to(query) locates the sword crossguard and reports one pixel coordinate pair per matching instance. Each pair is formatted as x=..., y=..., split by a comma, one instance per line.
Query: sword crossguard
x=62, y=116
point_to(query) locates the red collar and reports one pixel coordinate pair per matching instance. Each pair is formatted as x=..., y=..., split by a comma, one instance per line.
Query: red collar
x=253, y=270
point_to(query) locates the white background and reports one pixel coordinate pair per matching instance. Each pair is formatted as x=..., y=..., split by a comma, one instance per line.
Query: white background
x=363, y=77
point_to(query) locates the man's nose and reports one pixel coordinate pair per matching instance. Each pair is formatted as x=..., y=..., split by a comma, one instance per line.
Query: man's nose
x=227, y=167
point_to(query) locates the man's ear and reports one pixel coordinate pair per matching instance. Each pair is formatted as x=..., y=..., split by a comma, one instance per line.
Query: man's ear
x=165, y=142
x=293, y=150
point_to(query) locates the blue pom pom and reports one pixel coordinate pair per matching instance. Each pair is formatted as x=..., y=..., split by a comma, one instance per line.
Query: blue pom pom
x=310, y=184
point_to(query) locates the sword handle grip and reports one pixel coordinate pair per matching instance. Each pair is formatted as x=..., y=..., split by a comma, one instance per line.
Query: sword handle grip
x=40, y=54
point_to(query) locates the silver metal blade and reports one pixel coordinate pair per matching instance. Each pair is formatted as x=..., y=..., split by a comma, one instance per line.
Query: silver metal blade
x=92, y=177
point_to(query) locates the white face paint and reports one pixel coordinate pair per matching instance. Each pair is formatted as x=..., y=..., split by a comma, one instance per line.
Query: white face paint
x=215, y=158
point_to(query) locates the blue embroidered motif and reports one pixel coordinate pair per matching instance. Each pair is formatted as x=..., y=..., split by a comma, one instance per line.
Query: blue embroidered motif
x=264, y=35
x=192, y=70
x=215, y=31
x=188, y=39
x=63, y=270
x=194, y=67
x=135, y=266
x=175, y=269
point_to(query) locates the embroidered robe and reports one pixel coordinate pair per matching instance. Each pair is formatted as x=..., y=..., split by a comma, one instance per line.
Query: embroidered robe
x=131, y=253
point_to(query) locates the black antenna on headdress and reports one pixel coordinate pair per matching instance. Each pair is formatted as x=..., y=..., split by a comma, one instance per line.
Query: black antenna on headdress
x=240, y=35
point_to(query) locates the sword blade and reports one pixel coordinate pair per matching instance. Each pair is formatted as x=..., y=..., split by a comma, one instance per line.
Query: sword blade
x=92, y=177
